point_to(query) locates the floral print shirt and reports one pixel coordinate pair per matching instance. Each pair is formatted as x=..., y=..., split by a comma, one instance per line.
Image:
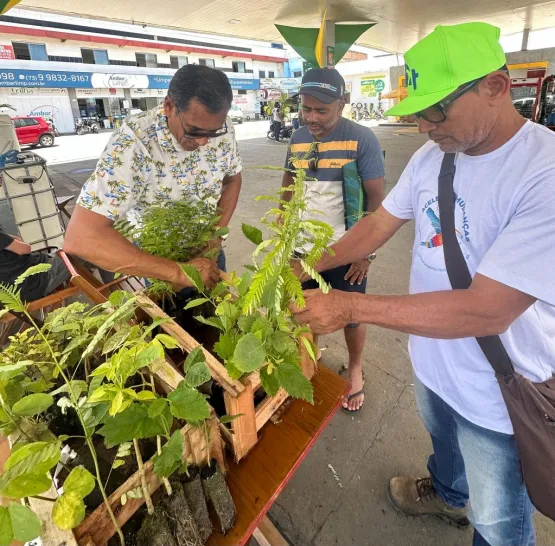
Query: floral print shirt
x=143, y=165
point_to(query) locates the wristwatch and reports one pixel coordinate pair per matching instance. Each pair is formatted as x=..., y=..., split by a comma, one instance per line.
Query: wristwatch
x=372, y=257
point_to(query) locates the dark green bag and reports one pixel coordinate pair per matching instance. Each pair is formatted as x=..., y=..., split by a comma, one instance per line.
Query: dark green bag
x=354, y=196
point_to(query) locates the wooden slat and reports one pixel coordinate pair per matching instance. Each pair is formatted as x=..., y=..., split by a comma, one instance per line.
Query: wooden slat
x=268, y=407
x=266, y=534
x=244, y=427
x=258, y=479
x=188, y=342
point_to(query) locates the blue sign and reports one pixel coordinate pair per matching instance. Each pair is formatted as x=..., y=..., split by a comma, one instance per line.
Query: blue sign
x=90, y=80
x=44, y=78
x=244, y=84
x=159, y=82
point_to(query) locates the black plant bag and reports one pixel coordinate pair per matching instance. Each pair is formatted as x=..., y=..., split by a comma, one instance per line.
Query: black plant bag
x=531, y=405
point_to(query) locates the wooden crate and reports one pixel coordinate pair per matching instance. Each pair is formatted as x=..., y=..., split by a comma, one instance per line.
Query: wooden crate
x=238, y=395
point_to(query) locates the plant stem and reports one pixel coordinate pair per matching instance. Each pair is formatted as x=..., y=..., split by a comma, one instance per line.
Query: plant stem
x=165, y=481
x=39, y=497
x=88, y=438
x=144, y=486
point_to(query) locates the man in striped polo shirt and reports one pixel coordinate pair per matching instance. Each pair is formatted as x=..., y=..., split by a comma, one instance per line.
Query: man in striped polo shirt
x=345, y=160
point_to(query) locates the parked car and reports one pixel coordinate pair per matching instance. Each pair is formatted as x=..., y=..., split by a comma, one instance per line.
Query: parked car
x=32, y=130
x=236, y=114
x=525, y=106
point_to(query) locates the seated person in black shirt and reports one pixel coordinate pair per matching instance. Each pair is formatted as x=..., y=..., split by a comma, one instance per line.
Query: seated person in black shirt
x=16, y=257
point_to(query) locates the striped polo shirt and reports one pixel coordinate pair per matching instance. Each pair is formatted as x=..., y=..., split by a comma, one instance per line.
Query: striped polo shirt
x=348, y=142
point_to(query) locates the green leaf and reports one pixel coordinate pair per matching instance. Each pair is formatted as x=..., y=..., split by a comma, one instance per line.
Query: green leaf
x=77, y=387
x=197, y=374
x=229, y=418
x=25, y=470
x=153, y=352
x=25, y=523
x=311, y=348
x=39, y=456
x=119, y=297
x=187, y=403
x=215, y=322
x=171, y=457
x=292, y=379
x=80, y=481
x=253, y=234
x=218, y=290
x=250, y=353
x=12, y=370
x=232, y=370
x=68, y=511
x=245, y=322
x=168, y=341
x=117, y=340
x=226, y=344
x=157, y=407
x=33, y=404
x=193, y=275
x=76, y=342
x=282, y=343
x=196, y=303
x=6, y=527
x=146, y=396
x=33, y=270
x=270, y=382
x=117, y=403
x=118, y=463
x=132, y=423
x=196, y=355
x=224, y=230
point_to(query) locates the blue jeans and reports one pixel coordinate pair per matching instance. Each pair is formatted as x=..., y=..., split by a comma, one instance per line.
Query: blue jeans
x=473, y=463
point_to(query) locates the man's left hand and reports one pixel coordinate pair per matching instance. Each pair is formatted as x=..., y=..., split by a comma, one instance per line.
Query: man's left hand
x=358, y=271
x=326, y=313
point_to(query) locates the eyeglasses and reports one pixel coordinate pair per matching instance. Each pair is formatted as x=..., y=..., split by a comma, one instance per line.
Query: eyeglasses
x=193, y=136
x=436, y=112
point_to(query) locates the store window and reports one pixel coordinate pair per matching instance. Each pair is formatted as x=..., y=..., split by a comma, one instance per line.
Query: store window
x=29, y=52
x=178, y=61
x=95, y=56
x=207, y=62
x=271, y=74
x=242, y=92
x=297, y=74
x=238, y=67
x=147, y=60
x=261, y=73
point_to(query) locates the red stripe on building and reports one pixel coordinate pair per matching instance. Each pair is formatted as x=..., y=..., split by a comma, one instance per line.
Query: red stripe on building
x=123, y=42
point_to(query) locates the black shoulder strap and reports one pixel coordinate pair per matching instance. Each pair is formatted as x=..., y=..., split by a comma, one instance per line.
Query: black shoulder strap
x=457, y=268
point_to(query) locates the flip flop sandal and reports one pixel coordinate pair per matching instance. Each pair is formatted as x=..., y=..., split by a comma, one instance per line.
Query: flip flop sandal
x=342, y=371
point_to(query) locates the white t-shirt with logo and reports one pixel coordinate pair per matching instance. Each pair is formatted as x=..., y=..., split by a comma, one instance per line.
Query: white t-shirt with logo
x=505, y=222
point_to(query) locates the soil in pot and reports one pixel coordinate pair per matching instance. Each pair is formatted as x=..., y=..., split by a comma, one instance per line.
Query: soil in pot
x=194, y=494
x=181, y=520
x=218, y=496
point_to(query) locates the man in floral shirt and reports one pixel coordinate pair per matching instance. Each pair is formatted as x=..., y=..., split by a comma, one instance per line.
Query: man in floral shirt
x=185, y=149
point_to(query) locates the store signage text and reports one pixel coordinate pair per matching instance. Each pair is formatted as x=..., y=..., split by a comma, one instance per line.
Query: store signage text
x=6, y=52
x=97, y=80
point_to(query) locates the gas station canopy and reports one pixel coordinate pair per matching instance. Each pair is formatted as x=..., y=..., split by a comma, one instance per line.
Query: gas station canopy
x=400, y=23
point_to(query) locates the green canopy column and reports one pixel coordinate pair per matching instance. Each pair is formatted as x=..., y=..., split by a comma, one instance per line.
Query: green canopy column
x=324, y=46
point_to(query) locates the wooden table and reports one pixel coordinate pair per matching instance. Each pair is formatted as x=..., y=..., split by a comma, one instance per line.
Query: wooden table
x=257, y=480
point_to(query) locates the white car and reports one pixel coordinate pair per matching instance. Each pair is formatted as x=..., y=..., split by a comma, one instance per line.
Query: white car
x=236, y=114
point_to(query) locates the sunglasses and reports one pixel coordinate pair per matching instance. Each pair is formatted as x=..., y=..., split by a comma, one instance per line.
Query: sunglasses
x=198, y=135
x=436, y=112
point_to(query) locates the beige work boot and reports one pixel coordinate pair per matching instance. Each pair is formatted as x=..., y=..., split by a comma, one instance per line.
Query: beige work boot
x=417, y=497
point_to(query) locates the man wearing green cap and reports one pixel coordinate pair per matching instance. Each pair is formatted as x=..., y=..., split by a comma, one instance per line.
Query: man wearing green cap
x=504, y=203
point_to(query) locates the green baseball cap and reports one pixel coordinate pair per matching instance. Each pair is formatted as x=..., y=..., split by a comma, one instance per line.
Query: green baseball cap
x=444, y=60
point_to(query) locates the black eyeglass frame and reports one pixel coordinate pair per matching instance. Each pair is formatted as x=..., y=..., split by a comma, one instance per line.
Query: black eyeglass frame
x=193, y=136
x=450, y=99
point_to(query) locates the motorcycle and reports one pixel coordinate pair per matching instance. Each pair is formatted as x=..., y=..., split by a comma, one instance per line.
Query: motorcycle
x=285, y=132
x=53, y=127
x=83, y=126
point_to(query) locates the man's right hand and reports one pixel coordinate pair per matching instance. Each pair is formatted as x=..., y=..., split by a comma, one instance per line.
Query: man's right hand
x=208, y=270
